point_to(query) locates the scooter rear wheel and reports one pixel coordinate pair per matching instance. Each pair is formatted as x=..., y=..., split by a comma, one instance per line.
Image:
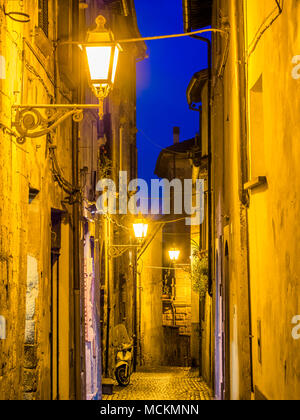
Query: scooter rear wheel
x=121, y=377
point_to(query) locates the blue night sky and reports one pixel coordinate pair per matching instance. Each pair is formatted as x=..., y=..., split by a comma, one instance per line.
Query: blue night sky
x=162, y=80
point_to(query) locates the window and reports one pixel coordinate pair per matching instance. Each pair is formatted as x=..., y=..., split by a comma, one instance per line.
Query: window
x=43, y=16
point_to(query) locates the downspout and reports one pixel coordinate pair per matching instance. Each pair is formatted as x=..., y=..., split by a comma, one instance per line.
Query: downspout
x=209, y=90
x=79, y=362
x=135, y=317
x=107, y=282
x=244, y=197
x=209, y=149
x=77, y=270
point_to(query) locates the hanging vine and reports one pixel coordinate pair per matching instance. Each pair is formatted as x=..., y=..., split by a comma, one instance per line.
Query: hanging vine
x=105, y=163
x=199, y=271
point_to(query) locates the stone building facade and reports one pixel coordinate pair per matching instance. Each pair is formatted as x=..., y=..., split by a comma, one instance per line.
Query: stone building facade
x=51, y=241
x=254, y=151
x=37, y=236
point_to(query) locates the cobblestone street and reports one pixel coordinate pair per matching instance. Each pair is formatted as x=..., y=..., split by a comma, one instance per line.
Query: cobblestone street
x=167, y=384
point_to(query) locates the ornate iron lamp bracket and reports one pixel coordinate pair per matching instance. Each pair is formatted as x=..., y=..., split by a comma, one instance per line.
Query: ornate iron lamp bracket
x=33, y=121
x=116, y=251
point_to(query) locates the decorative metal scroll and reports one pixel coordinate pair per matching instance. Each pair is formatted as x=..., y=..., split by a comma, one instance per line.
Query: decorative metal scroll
x=116, y=251
x=29, y=122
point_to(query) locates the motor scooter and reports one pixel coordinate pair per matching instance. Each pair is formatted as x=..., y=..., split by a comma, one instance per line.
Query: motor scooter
x=124, y=355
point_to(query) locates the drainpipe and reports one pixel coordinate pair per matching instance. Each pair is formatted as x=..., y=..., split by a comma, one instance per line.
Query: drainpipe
x=209, y=90
x=76, y=268
x=209, y=149
x=107, y=282
x=244, y=197
x=135, y=334
x=78, y=319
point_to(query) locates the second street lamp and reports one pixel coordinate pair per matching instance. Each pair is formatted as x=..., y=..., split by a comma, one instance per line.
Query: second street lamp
x=140, y=228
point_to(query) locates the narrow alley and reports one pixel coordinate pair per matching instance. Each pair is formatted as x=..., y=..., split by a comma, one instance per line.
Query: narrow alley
x=149, y=200
x=164, y=384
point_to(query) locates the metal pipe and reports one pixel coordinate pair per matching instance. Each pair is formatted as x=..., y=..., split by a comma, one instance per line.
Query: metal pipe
x=135, y=338
x=140, y=317
x=107, y=282
x=76, y=268
x=79, y=356
x=244, y=198
x=210, y=215
x=58, y=106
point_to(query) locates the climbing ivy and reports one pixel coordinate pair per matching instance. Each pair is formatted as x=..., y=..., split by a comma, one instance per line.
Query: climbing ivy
x=199, y=272
x=105, y=163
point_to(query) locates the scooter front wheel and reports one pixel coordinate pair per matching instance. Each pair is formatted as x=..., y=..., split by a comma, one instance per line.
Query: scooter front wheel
x=123, y=379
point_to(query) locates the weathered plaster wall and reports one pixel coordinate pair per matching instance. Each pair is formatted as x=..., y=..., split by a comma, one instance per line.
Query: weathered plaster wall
x=270, y=223
x=13, y=215
x=25, y=282
x=273, y=103
x=229, y=212
x=152, y=336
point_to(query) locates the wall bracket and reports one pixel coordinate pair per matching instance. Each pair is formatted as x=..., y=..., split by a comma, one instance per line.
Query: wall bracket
x=116, y=251
x=33, y=121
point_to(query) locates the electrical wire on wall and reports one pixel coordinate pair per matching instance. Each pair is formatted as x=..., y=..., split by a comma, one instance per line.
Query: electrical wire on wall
x=74, y=193
x=19, y=17
x=266, y=24
x=12, y=134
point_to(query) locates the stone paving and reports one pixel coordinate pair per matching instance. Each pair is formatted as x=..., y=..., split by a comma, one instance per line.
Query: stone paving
x=167, y=384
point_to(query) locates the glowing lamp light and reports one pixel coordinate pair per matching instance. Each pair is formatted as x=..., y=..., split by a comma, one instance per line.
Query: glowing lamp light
x=140, y=228
x=102, y=53
x=174, y=254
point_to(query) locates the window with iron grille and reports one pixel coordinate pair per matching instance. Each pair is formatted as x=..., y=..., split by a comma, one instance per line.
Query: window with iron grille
x=43, y=16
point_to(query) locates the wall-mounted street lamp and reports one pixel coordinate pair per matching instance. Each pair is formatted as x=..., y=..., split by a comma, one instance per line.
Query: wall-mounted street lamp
x=140, y=228
x=102, y=53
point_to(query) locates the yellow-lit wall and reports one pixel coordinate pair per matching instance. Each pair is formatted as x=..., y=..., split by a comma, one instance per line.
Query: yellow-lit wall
x=273, y=149
x=255, y=122
x=26, y=228
x=229, y=210
x=152, y=339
